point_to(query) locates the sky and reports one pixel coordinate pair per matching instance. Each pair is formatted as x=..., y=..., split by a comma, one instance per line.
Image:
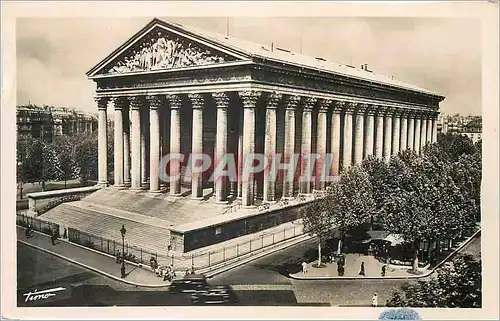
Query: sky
x=442, y=55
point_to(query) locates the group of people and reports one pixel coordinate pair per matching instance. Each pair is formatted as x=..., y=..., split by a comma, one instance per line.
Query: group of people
x=362, y=269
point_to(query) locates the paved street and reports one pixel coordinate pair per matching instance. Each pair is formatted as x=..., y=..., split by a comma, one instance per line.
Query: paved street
x=261, y=282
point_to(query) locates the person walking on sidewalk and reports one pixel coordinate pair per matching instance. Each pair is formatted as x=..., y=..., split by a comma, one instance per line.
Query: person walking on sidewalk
x=54, y=236
x=374, y=300
x=65, y=234
x=362, y=270
x=384, y=267
x=304, y=267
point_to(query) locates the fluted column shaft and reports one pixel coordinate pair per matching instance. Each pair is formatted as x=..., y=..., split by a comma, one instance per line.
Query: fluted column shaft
x=358, y=135
x=411, y=132
x=144, y=114
x=434, y=130
x=347, y=153
x=126, y=145
x=416, y=143
x=369, y=133
x=379, y=141
x=270, y=145
x=387, y=135
x=119, y=105
x=404, y=133
x=155, y=103
x=306, y=168
x=197, y=146
x=289, y=144
x=321, y=144
x=423, y=132
x=175, y=102
x=429, y=130
x=335, y=143
x=135, y=105
x=102, y=142
x=396, y=134
x=222, y=102
x=249, y=99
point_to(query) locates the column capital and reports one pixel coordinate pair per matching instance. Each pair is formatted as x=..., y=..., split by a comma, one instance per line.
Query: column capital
x=174, y=100
x=292, y=102
x=120, y=102
x=249, y=98
x=196, y=100
x=350, y=107
x=102, y=102
x=397, y=112
x=273, y=100
x=309, y=102
x=155, y=101
x=338, y=105
x=371, y=109
x=221, y=99
x=136, y=102
x=324, y=104
x=361, y=108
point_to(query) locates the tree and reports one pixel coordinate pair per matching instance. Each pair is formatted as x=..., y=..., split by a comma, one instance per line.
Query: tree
x=39, y=162
x=350, y=202
x=317, y=221
x=457, y=285
x=64, y=147
x=378, y=175
x=407, y=209
x=86, y=158
x=454, y=145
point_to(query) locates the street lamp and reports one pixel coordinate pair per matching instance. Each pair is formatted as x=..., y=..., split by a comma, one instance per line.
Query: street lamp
x=123, y=231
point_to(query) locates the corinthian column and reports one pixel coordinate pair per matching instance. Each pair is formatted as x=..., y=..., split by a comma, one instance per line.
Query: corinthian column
x=119, y=104
x=144, y=112
x=429, y=129
x=404, y=131
x=175, y=144
x=320, y=172
x=155, y=102
x=416, y=143
x=411, y=131
x=136, y=104
x=358, y=134
x=270, y=145
x=249, y=99
x=335, y=143
x=347, y=154
x=423, y=132
x=379, y=142
x=434, y=129
x=387, y=134
x=396, y=133
x=291, y=104
x=197, y=146
x=306, y=168
x=126, y=144
x=102, y=142
x=222, y=101
x=370, y=131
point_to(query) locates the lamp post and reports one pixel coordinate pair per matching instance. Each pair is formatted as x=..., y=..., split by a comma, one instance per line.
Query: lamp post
x=123, y=231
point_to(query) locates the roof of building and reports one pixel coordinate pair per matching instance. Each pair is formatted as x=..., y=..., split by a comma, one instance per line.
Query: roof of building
x=279, y=55
x=298, y=59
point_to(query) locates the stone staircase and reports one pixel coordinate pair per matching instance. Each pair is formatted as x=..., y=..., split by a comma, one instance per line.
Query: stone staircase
x=91, y=221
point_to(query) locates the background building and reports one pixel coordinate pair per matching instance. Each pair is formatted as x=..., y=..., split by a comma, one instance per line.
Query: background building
x=47, y=122
x=470, y=126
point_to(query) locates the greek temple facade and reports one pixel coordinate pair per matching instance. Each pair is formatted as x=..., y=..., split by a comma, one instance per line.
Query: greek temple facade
x=176, y=90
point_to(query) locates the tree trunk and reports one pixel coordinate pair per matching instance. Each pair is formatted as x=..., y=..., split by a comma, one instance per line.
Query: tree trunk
x=21, y=189
x=319, y=253
x=43, y=186
x=65, y=183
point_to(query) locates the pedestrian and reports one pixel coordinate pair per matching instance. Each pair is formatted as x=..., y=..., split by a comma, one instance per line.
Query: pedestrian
x=304, y=267
x=65, y=234
x=192, y=269
x=374, y=300
x=118, y=257
x=340, y=270
x=362, y=270
x=384, y=267
x=53, y=237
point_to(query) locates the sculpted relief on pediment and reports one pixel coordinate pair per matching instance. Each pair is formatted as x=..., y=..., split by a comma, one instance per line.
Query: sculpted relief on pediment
x=163, y=50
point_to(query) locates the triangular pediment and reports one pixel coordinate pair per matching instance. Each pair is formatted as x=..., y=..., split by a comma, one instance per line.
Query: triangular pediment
x=161, y=46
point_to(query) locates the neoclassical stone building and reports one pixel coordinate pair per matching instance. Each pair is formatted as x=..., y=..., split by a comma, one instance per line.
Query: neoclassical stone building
x=180, y=90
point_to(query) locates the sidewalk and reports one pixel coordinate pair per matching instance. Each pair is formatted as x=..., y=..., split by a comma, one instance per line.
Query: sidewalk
x=89, y=259
x=373, y=269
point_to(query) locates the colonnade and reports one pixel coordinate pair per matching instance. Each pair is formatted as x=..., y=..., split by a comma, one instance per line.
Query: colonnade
x=355, y=131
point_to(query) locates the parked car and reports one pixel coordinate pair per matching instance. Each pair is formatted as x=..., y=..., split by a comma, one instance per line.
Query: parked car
x=189, y=283
x=219, y=294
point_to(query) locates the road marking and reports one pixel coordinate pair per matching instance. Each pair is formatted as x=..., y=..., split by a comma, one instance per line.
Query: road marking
x=262, y=287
